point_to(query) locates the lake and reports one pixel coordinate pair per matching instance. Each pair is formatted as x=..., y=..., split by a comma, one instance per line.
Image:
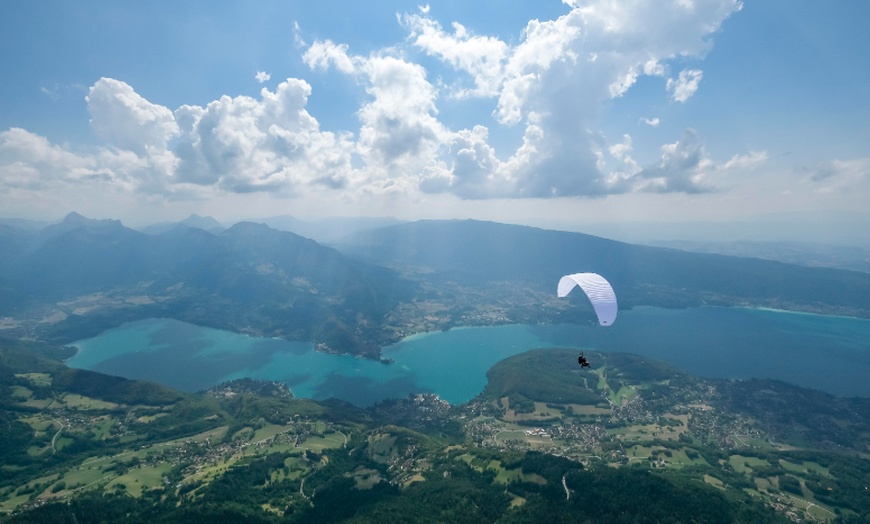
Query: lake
x=821, y=352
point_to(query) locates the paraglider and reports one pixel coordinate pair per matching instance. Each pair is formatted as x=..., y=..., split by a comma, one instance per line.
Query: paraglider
x=597, y=289
x=600, y=294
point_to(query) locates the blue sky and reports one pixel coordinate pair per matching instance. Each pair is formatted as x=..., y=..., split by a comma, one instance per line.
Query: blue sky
x=564, y=114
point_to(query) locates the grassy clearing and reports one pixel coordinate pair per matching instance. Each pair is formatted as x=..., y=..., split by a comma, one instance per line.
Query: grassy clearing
x=381, y=447
x=643, y=432
x=510, y=435
x=366, y=478
x=215, y=434
x=713, y=481
x=268, y=431
x=812, y=508
x=76, y=401
x=40, y=380
x=746, y=465
x=469, y=459
x=516, y=500
x=330, y=440
x=763, y=484
x=37, y=403
x=583, y=409
x=679, y=458
x=84, y=476
x=283, y=447
x=504, y=476
x=21, y=393
x=140, y=479
x=541, y=412
x=416, y=477
x=623, y=395
x=757, y=443
x=101, y=427
x=805, y=467
x=145, y=419
x=638, y=452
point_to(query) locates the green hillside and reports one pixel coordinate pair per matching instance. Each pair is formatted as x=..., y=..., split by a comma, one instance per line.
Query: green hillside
x=625, y=440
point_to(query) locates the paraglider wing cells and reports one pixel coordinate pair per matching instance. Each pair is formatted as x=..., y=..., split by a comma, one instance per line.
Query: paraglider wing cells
x=597, y=289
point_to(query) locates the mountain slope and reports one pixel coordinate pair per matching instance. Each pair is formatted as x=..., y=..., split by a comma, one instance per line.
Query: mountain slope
x=81, y=276
x=480, y=253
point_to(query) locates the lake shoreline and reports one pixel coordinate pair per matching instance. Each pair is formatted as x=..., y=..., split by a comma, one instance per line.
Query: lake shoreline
x=709, y=342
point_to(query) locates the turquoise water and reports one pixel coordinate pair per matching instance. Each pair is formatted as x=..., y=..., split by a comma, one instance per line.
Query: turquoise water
x=826, y=353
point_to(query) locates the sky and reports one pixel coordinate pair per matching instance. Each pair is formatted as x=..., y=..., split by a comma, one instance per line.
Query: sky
x=678, y=118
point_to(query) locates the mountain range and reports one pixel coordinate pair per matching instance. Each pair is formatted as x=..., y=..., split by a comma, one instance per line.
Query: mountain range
x=81, y=276
x=482, y=253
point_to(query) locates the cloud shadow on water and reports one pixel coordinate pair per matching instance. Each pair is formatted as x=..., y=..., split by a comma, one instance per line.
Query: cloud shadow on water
x=363, y=391
x=181, y=365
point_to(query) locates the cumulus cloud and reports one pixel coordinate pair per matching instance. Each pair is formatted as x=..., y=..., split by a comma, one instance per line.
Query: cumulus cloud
x=400, y=138
x=561, y=74
x=481, y=57
x=549, y=86
x=30, y=161
x=239, y=144
x=121, y=117
x=244, y=144
x=683, y=87
x=684, y=166
x=325, y=54
x=400, y=119
x=652, y=122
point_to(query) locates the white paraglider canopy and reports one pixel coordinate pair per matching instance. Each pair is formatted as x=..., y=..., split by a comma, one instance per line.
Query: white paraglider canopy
x=599, y=291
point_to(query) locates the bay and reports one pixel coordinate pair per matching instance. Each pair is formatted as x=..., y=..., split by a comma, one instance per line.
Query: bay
x=821, y=352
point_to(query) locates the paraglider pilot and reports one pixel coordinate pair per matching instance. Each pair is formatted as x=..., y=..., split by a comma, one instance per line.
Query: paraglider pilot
x=582, y=361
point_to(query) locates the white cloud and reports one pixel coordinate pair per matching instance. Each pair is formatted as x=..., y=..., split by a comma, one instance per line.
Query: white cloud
x=564, y=71
x=297, y=36
x=480, y=57
x=323, y=54
x=243, y=144
x=126, y=120
x=52, y=93
x=30, y=161
x=653, y=67
x=551, y=85
x=399, y=122
x=750, y=160
x=623, y=83
x=262, y=76
x=652, y=122
x=683, y=87
x=684, y=166
x=838, y=176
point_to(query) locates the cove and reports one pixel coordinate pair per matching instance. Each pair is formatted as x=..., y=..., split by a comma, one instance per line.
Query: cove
x=821, y=352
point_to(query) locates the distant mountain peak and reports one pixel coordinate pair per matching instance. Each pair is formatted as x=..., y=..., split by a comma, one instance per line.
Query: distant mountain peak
x=74, y=220
x=203, y=222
